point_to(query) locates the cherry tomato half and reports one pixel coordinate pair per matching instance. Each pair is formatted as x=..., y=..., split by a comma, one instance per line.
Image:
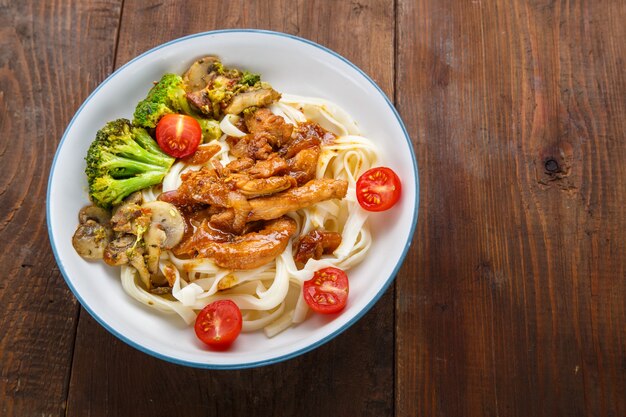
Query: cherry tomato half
x=327, y=291
x=178, y=135
x=378, y=189
x=219, y=324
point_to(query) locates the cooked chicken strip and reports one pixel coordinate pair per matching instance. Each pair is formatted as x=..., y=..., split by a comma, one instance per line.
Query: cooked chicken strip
x=274, y=165
x=248, y=251
x=240, y=164
x=315, y=244
x=255, y=146
x=204, y=186
x=314, y=191
x=303, y=166
x=256, y=187
x=263, y=120
x=272, y=207
x=203, y=154
x=306, y=135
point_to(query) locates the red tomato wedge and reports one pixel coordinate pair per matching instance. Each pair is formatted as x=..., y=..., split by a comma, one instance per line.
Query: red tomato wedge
x=178, y=135
x=219, y=324
x=378, y=189
x=327, y=291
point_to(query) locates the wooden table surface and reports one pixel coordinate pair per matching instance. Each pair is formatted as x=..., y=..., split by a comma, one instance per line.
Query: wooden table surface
x=512, y=300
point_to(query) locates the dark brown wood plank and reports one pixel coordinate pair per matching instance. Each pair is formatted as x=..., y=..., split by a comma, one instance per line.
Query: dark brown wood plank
x=518, y=116
x=350, y=376
x=52, y=54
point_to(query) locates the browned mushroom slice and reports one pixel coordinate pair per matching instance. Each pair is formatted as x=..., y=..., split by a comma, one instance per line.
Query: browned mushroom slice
x=169, y=220
x=199, y=73
x=256, y=98
x=161, y=290
x=90, y=239
x=137, y=260
x=95, y=213
x=129, y=217
x=134, y=198
x=201, y=100
x=125, y=250
x=154, y=238
x=117, y=251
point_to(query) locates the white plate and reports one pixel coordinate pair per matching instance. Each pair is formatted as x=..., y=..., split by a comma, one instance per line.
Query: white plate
x=292, y=65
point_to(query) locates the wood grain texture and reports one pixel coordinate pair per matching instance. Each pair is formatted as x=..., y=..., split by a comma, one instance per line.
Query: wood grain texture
x=349, y=376
x=52, y=54
x=518, y=116
x=512, y=301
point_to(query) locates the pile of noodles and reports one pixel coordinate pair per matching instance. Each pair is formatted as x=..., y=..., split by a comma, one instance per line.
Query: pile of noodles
x=270, y=297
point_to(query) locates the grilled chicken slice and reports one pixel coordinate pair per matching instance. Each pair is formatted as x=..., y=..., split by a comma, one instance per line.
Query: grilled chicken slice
x=240, y=164
x=263, y=120
x=303, y=166
x=274, y=165
x=254, y=146
x=248, y=251
x=315, y=244
x=272, y=207
x=256, y=187
x=204, y=186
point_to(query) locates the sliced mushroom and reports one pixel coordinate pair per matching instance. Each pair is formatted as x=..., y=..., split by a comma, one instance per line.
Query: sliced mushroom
x=161, y=290
x=170, y=221
x=154, y=239
x=134, y=198
x=158, y=279
x=130, y=218
x=256, y=98
x=116, y=252
x=124, y=250
x=95, y=213
x=198, y=75
x=91, y=238
x=137, y=260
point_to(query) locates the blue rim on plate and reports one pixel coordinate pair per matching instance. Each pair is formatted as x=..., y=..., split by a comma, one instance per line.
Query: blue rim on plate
x=271, y=360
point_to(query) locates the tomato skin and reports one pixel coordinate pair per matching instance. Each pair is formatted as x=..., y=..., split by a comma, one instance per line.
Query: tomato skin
x=178, y=135
x=219, y=324
x=378, y=189
x=327, y=291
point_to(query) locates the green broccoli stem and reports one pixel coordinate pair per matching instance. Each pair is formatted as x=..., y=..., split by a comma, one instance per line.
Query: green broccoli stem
x=132, y=149
x=108, y=191
x=210, y=129
x=145, y=140
x=120, y=167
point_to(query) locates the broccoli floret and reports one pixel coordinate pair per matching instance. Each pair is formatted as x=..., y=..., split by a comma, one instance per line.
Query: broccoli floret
x=167, y=96
x=210, y=129
x=121, y=160
x=249, y=78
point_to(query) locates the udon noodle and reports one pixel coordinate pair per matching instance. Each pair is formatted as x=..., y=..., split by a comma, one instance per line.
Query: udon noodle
x=270, y=297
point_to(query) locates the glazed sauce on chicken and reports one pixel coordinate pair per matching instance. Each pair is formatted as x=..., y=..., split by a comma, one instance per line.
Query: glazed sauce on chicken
x=236, y=214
